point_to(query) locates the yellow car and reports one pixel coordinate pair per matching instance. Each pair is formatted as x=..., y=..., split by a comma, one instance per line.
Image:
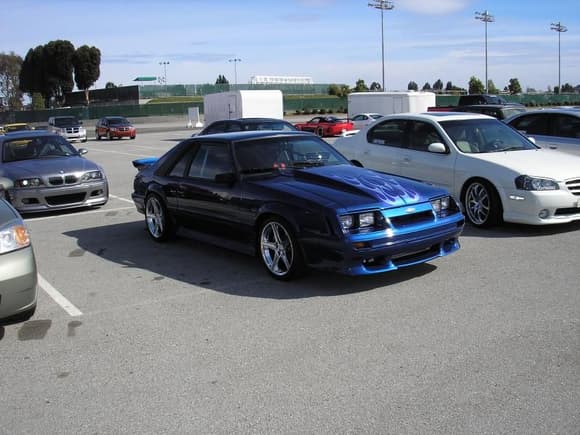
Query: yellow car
x=8, y=128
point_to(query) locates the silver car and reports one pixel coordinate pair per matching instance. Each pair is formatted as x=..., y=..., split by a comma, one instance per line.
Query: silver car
x=49, y=174
x=551, y=128
x=18, y=276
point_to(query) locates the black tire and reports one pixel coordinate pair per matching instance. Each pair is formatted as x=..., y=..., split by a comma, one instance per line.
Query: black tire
x=159, y=224
x=110, y=136
x=279, y=250
x=482, y=204
x=97, y=135
x=320, y=132
x=132, y=137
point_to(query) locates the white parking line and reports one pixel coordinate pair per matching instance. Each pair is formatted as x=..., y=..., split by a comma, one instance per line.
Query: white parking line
x=120, y=152
x=121, y=199
x=59, y=298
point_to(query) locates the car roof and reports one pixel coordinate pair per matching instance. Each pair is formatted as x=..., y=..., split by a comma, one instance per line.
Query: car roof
x=438, y=116
x=254, y=134
x=25, y=134
x=560, y=111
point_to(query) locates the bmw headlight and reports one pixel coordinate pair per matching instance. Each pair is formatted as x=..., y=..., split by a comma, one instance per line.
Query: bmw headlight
x=92, y=176
x=28, y=182
x=365, y=220
x=525, y=182
x=13, y=237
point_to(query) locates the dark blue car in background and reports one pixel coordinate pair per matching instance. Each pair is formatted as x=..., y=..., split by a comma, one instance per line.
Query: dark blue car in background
x=296, y=202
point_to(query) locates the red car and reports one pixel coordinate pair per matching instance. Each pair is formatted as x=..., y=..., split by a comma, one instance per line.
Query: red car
x=114, y=127
x=326, y=126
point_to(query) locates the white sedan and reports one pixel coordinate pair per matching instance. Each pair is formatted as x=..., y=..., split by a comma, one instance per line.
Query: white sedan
x=361, y=120
x=497, y=173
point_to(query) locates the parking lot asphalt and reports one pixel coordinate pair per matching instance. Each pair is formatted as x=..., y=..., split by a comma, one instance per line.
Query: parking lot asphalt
x=188, y=338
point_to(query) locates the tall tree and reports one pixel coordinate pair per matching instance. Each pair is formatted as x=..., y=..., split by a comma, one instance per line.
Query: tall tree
x=87, y=66
x=514, y=86
x=438, y=85
x=360, y=86
x=412, y=86
x=491, y=89
x=376, y=86
x=449, y=86
x=221, y=80
x=567, y=87
x=426, y=87
x=476, y=86
x=10, y=93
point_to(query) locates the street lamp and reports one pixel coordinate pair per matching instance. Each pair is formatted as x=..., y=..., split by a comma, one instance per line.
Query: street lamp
x=164, y=63
x=558, y=27
x=235, y=60
x=382, y=5
x=486, y=18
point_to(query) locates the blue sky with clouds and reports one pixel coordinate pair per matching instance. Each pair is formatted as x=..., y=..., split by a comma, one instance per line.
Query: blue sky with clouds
x=332, y=41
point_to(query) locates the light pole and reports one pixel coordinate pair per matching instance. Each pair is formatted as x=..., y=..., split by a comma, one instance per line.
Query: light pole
x=235, y=60
x=486, y=17
x=164, y=63
x=558, y=27
x=382, y=5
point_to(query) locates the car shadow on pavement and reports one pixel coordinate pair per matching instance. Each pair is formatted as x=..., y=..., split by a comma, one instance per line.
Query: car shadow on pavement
x=196, y=263
x=507, y=230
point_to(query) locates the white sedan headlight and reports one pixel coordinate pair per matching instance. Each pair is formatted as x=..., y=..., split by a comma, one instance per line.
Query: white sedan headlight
x=525, y=182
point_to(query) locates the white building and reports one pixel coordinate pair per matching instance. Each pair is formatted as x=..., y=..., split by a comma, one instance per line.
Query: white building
x=280, y=80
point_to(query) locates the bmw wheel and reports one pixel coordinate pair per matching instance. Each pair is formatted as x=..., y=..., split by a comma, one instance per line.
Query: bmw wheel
x=482, y=204
x=279, y=250
x=159, y=224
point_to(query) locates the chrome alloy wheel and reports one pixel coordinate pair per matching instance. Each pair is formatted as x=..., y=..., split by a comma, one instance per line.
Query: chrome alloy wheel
x=155, y=217
x=477, y=203
x=277, y=248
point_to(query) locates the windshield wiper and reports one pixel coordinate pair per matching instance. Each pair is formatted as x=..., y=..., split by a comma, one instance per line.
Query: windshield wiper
x=306, y=164
x=257, y=171
x=512, y=148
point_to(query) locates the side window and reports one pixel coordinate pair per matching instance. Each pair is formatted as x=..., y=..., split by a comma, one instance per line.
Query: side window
x=211, y=159
x=216, y=127
x=182, y=163
x=390, y=133
x=533, y=124
x=423, y=135
x=358, y=118
x=566, y=126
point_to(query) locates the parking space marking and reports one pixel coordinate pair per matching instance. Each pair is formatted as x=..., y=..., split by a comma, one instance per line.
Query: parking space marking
x=59, y=298
x=130, y=201
x=118, y=152
x=107, y=210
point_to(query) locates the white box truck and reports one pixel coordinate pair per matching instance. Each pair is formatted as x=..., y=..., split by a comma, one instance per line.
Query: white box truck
x=243, y=104
x=387, y=103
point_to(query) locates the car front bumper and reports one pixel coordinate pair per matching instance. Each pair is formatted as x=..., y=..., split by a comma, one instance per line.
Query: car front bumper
x=18, y=283
x=384, y=252
x=541, y=207
x=60, y=198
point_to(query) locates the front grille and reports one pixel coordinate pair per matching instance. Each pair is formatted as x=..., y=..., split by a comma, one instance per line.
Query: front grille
x=567, y=211
x=72, y=198
x=63, y=179
x=574, y=186
x=412, y=219
x=70, y=130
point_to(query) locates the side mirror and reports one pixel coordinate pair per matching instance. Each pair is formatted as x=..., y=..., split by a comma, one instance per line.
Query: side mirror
x=532, y=139
x=225, y=178
x=5, y=184
x=83, y=151
x=357, y=163
x=437, y=147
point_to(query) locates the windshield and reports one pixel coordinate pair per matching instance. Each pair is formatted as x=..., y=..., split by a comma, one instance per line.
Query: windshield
x=269, y=125
x=485, y=136
x=267, y=155
x=64, y=121
x=36, y=148
x=118, y=121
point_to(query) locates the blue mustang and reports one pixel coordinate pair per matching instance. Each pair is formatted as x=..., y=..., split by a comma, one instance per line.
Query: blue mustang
x=295, y=201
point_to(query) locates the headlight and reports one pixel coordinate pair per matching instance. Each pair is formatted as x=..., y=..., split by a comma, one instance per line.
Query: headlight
x=13, y=238
x=364, y=220
x=28, y=182
x=441, y=204
x=93, y=175
x=525, y=182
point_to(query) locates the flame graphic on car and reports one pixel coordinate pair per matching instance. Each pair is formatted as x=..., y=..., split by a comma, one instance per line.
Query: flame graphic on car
x=384, y=188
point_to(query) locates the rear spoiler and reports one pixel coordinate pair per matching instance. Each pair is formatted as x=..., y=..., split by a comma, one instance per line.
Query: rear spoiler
x=145, y=162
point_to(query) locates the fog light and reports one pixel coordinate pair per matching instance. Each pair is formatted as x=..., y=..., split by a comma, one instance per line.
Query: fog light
x=543, y=214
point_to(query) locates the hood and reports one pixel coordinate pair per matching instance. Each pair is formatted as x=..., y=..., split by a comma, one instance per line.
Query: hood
x=347, y=186
x=43, y=167
x=538, y=163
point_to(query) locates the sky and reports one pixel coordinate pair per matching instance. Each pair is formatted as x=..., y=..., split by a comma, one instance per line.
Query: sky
x=331, y=41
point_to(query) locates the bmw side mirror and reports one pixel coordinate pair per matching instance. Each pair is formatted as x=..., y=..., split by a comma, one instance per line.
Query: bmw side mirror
x=5, y=184
x=357, y=163
x=83, y=151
